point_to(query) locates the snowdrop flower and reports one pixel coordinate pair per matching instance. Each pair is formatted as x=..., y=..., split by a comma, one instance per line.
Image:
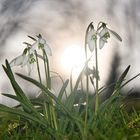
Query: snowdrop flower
x=24, y=60
x=41, y=44
x=105, y=35
x=91, y=39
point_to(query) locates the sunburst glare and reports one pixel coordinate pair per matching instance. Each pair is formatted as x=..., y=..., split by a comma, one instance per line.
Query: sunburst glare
x=73, y=59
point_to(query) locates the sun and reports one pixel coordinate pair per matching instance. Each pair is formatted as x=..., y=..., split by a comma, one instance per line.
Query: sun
x=72, y=58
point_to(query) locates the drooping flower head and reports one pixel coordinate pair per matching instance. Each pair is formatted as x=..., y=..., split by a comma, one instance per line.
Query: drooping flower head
x=41, y=44
x=25, y=59
x=28, y=57
x=91, y=37
x=104, y=35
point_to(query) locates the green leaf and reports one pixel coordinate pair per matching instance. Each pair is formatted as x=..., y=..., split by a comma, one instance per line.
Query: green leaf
x=121, y=79
x=8, y=70
x=130, y=80
x=11, y=96
x=25, y=102
x=19, y=92
x=26, y=108
x=60, y=95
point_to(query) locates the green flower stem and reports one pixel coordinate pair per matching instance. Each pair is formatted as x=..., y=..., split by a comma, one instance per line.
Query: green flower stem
x=87, y=84
x=86, y=113
x=45, y=111
x=48, y=81
x=97, y=74
x=54, y=116
x=45, y=67
x=38, y=69
x=97, y=79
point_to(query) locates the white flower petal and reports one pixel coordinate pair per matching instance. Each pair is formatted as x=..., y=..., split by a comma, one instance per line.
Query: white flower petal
x=115, y=35
x=17, y=61
x=104, y=39
x=101, y=43
x=91, y=45
x=42, y=40
x=25, y=61
x=47, y=49
x=89, y=36
x=33, y=47
x=90, y=40
x=30, y=67
x=103, y=32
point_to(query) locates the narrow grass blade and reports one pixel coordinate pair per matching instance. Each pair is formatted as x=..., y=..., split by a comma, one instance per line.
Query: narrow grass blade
x=130, y=80
x=61, y=93
x=11, y=96
x=121, y=78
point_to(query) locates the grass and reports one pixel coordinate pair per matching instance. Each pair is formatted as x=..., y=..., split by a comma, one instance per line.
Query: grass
x=80, y=116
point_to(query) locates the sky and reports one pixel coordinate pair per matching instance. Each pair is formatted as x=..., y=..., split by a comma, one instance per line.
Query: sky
x=63, y=23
